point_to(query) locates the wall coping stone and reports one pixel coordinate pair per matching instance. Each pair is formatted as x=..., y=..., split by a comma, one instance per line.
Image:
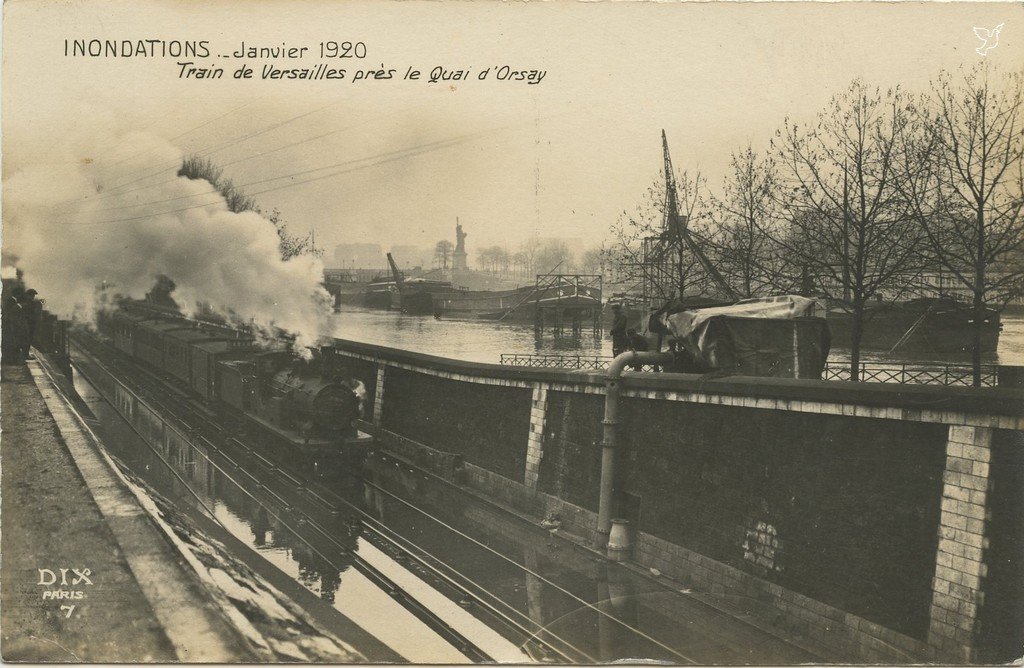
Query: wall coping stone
x=999, y=401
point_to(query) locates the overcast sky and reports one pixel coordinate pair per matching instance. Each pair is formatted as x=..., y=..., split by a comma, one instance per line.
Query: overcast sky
x=561, y=158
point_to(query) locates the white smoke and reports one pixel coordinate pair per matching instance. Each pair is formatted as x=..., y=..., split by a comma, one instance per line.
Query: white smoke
x=75, y=224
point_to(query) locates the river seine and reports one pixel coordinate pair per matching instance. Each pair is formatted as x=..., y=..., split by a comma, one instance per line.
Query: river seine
x=485, y=340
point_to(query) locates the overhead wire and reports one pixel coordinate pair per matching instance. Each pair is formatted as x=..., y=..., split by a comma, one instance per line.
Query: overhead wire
x=186, y=132
x=116, y=190
x=378, y=160
x=439, y=143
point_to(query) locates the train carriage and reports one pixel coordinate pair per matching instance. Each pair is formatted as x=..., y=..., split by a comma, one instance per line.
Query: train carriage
x=179, y=349
x=204, y=357
x=120, y=327
x=149, y=340
x=235, y=383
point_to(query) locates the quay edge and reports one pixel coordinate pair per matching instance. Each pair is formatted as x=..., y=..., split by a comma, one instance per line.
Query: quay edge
x=878, y=520
x=148, y=579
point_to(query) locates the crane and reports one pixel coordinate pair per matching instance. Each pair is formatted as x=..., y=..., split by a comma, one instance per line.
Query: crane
x=677, y=224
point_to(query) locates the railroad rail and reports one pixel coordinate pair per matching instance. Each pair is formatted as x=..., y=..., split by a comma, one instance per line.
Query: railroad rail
x=907, y=373
x=310, y=511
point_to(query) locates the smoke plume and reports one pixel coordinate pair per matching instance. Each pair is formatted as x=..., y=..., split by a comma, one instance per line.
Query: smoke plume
x=82, y=231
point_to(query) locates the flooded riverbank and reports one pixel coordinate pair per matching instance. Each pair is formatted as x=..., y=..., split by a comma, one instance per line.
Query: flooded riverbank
x=487, y=340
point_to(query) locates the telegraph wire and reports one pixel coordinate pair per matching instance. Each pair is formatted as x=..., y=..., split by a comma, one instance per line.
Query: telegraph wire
x=226, y=164
x=186, y=132
x=117, y=189
x=416, y=150
x=427, y=148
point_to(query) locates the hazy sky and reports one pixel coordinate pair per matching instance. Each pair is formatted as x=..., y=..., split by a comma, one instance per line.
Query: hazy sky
x=560, y=158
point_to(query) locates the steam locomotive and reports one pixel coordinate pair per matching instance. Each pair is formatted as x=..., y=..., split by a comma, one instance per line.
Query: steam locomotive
x=293, y=399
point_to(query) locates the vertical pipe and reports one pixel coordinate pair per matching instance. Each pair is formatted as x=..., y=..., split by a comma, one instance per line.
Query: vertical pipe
x=609, y=442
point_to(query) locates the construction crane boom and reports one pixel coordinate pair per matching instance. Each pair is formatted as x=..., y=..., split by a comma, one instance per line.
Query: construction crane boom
x=396, y=273
x=677, y=224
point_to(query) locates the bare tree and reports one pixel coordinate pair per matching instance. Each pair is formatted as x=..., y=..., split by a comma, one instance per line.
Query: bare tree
x=592, y=261
x=849, y=226
x=743, y=251
x=520, y=263
x=968, y=202
x=645, y=251
x=443, y=253
x=195, y=167
x=551, y=255
x=528, y=252
x=291, y=245
x=493, y=258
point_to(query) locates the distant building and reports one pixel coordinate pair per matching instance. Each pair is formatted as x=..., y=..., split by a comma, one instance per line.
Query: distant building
x=408, y=256
x=359, y=256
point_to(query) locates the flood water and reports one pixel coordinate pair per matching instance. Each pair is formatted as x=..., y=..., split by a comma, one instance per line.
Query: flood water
x=548, y=593
x=486, y=340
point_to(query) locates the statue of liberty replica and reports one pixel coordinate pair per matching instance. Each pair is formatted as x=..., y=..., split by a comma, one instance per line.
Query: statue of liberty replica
x=459, y=256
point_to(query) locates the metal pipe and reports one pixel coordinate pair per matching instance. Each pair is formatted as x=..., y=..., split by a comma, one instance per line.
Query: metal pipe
x=609, y=443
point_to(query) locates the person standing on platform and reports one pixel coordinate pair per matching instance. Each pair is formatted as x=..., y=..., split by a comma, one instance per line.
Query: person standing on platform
x=33, y=311
x=15, y=327
x=620, y=339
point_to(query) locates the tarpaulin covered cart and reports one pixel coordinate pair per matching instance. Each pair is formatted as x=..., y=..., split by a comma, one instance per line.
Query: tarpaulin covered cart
x=784, y=337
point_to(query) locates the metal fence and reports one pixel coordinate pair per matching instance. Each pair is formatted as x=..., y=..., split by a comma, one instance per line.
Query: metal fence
x=870, y=372
x=567, y=362
x=574, y=362
x=911, y=373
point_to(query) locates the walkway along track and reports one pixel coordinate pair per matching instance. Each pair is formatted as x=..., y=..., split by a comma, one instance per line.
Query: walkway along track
x=307, y=509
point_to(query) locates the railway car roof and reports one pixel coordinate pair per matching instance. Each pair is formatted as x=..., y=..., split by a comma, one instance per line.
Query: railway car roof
x=213, y=346
x=159, y=325
x=133, y=317
x=192, y=334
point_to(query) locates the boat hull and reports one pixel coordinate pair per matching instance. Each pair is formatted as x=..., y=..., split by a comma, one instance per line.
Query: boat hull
x=517, y=304
x=916, y=328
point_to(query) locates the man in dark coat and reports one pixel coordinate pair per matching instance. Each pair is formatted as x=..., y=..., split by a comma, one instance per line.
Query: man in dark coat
x=620, y=339
x=15, y=326
x=33, y=311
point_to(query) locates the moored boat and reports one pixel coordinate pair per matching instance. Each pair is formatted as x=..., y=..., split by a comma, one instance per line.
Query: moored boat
x=925, y=325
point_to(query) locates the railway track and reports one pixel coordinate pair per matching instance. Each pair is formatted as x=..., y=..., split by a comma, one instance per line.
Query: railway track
x=309, y=508
x=321, y=518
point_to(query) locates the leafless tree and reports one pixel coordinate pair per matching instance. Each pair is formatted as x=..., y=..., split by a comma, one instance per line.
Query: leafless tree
x=443, y=253
x=742, y=249
x=968, y=201
x=528, y=251
x=493, y=259
x=551, y=255
x=592, y=261
x=665, y=265
x=196, y=167
x=848, y=225
x=521, y=263
x=291, y=245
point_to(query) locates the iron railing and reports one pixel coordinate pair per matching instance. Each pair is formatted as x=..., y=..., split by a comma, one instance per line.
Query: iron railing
x=870, y=372
x=568, y=362
x=908, y=373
